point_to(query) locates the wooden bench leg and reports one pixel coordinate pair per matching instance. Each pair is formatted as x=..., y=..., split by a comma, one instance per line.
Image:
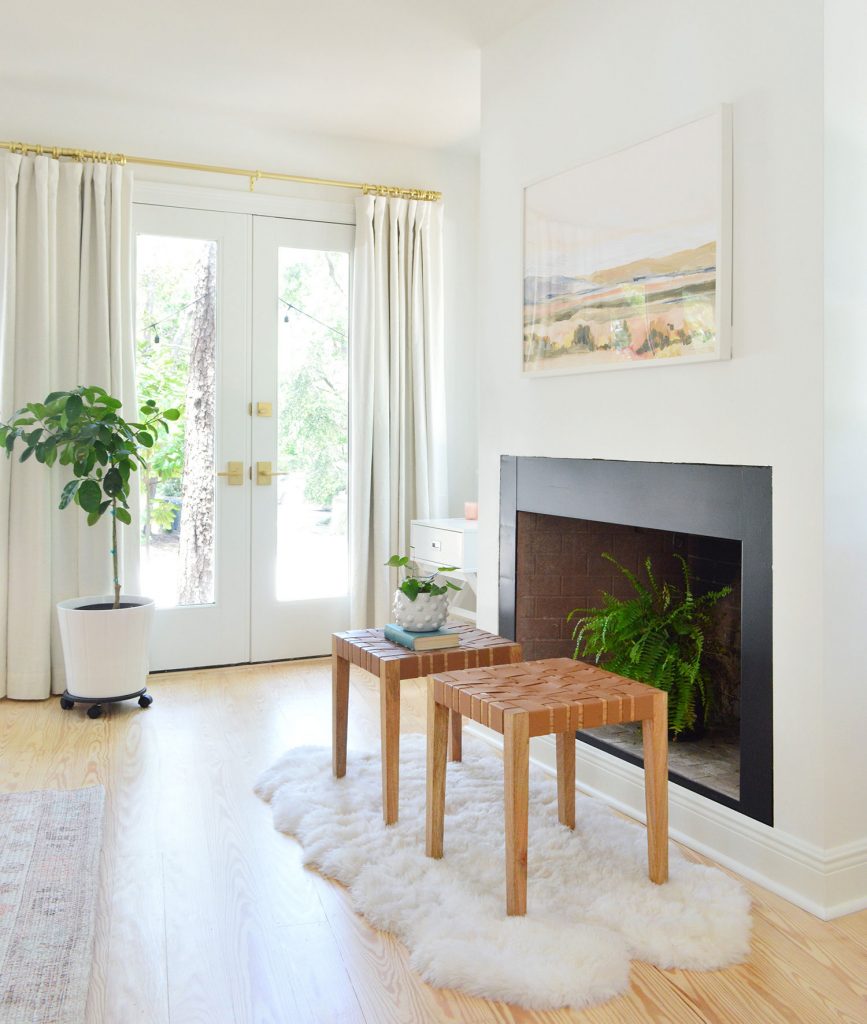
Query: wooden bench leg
x=566, y=778
x=339, y=712
x=437, y=741
x=456, y=728
x=655, y=735
x=516, y=756
x=389, y=718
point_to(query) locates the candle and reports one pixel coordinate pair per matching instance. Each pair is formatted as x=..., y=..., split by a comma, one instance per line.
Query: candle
x=471, y=510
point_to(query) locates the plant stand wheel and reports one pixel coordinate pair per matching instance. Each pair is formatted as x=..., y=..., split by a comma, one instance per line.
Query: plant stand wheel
x=68, y=700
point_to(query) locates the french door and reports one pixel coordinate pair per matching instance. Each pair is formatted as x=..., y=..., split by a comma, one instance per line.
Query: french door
x=242, y=322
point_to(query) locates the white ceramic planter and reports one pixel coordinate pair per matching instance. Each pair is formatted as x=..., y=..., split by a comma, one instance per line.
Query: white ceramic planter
x=105, y=651
x=426, y=612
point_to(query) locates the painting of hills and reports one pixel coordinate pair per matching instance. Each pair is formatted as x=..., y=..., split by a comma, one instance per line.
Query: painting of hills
x=621, y=257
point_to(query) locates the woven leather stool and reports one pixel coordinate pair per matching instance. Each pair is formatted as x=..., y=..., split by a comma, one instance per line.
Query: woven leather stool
x=538, y=698
x=391, y=663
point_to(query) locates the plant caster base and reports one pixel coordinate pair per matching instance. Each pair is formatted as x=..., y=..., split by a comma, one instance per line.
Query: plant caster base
x=69, y=700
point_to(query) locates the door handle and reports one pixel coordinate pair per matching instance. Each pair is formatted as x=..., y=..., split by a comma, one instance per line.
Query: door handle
x=234, y=473
x=264, y=474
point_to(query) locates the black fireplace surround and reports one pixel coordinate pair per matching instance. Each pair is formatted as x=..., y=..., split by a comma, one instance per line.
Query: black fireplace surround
x=732, y=502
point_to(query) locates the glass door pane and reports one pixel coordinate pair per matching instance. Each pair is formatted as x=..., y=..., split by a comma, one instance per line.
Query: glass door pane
x=300, y=556
x=176, y=350
x=192, y=352
x=312, y=424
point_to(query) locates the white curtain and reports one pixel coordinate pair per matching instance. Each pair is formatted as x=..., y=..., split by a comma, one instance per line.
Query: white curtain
x=397, y=393
x=66, y=318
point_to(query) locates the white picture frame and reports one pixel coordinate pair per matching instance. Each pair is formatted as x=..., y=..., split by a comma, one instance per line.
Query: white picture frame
x=627, y=258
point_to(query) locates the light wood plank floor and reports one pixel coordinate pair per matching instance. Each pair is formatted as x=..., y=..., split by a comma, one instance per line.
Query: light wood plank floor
x=206, y=914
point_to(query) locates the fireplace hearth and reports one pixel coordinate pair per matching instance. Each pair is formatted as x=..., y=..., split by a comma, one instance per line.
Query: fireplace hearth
x=557, y=517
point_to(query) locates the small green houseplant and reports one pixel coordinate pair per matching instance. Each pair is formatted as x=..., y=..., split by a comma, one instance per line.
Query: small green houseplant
x=83, y=430
x=657, y=637
x=105, y=641
x=420, y=602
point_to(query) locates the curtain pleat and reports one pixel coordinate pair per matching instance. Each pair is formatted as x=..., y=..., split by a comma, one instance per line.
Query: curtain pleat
x=66, y=319
x=397, y=420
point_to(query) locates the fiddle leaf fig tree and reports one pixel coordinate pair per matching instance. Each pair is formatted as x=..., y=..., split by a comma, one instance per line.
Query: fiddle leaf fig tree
x=83, y=430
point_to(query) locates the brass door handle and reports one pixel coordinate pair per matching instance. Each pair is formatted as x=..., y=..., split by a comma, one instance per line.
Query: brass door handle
x=234, y=473
x=264, y=473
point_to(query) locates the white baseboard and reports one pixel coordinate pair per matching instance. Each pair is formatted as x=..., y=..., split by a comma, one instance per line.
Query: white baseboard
x=827, y=883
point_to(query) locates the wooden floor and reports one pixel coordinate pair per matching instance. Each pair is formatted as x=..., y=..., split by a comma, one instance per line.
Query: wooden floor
x=206, y=914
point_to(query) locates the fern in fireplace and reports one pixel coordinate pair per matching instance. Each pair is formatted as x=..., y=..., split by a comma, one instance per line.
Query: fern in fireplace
x=657, y=637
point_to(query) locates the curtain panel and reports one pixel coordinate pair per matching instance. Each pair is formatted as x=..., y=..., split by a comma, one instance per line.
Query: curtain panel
x=397, y=392
x=66, y=318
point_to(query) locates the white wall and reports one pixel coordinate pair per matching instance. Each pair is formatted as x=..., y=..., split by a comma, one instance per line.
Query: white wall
x=582, y=80
x=55, y=114
x=845, y=418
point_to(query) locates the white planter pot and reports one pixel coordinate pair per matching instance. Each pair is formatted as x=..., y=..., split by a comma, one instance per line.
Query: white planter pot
x=106, y=650
x=426, y=612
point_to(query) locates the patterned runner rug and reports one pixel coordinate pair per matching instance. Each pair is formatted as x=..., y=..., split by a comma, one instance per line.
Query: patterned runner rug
x=49, y=866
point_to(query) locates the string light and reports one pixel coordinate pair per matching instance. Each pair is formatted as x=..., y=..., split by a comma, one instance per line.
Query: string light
x=309, y=316
x=171, y=316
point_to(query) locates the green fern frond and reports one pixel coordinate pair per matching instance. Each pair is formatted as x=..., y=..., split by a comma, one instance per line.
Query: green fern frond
x=657, y=637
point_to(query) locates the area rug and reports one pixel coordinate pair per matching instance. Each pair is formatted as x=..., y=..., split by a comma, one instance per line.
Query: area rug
x=49, y=865
x=591, y=908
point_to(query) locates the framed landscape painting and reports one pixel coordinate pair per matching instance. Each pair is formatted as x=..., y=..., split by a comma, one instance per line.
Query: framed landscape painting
x=627, y=259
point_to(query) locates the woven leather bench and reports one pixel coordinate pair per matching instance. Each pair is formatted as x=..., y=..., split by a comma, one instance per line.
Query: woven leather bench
x=538, y=698
x=391, y=663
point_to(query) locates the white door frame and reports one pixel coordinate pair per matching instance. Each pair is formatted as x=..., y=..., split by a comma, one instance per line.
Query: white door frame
x=225, y=636
x=300, y=628
x=219, y=633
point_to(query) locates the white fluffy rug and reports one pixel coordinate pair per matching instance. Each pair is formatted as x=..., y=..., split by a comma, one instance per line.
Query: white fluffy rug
x=591, y=907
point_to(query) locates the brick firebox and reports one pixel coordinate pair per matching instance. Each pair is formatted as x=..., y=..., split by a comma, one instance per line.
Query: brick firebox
x=560, y=567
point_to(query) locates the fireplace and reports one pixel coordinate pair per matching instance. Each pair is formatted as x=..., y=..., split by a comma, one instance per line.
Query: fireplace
x=557, y=517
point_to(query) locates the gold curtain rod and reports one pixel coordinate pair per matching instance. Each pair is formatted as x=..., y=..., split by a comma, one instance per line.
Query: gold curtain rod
x=93, y=156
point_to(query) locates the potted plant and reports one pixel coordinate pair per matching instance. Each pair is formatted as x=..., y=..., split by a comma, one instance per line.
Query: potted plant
x=105, y=639
x=420, y=602
x=656, y=637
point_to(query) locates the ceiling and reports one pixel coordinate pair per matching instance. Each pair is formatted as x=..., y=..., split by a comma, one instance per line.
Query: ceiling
x=389, y=70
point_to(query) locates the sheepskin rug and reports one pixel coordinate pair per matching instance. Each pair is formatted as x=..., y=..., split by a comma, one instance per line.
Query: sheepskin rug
x=591, y=908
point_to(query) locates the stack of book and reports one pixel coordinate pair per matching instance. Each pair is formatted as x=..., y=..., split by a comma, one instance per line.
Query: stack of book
x=431, y=640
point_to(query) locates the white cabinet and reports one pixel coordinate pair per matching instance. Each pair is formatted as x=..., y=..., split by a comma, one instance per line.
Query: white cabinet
x=444, y=542
x=452, y=542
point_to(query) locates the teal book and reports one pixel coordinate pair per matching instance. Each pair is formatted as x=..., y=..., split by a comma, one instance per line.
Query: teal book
x=434, y=640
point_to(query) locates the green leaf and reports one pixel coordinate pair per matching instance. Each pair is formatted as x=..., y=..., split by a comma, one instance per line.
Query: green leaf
x=25, y=455
x=93, y=518
x=113, y=482
x=123, y=516
x=74, y=409
x=172, y=414
x=68, y=492
x=396, y=561
x=145, y=438
x=89, y=496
